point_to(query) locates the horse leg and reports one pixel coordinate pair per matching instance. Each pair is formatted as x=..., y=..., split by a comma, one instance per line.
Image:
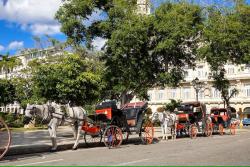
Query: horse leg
x=162, y=130
x=174, y=131
x=165, y=132
x=78, y=130
x=74, y=129
x=52, y=131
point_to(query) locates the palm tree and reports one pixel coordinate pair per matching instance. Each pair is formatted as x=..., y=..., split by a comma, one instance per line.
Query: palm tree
x=8, y=63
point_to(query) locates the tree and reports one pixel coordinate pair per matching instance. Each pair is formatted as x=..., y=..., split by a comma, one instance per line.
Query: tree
x=74, y=14
x=8, y=63
x=172, y=105
x=139, y=53
x=7, y=92
x=25, y=91
x=226, y=35
x=73, y=80
x=223, y=85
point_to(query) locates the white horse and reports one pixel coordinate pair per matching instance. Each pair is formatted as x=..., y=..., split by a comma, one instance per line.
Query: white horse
x=54, y=114
x=168, y=123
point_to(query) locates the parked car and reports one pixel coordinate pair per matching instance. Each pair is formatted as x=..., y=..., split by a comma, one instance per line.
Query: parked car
x=246, y=121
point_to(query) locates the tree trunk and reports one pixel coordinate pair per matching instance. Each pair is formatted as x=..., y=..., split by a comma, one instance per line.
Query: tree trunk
x=166, y=64
x=227, y=103
x=6, y=74
x=125, y=98
x=5, y=108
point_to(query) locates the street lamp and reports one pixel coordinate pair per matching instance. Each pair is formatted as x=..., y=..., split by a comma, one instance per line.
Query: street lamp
x=198, y=85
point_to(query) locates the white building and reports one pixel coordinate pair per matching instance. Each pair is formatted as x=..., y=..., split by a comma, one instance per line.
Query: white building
x=143, y=7
x=27, y=56
x=238, y=75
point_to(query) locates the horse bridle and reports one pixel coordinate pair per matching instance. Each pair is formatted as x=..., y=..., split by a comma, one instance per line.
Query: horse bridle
x=43, y=115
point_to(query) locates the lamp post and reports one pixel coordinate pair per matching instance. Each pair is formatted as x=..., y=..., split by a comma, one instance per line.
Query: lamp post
x=197, y=86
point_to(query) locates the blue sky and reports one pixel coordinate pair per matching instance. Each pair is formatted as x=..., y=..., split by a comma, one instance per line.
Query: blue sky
x=20, y=20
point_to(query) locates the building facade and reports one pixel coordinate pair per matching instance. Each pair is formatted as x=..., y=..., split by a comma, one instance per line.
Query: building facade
x=25, y=58
x=238, y=75
x=143, y=7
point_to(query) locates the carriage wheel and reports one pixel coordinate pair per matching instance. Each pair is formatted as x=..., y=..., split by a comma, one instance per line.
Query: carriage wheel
x=5, y=138
x=232, y=129
x=112, y=136
x=221, y=129
x=193, y=132
x=147, y=132
x=208, y=130
x=92, y=140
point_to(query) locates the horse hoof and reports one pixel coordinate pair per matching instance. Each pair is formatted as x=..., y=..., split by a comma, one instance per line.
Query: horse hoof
x=52, y=150
x=74, y=148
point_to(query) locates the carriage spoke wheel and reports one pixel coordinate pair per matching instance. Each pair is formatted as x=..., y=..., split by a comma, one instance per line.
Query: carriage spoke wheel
x=232, y=129
x=147, y=132
x=221, y=129
x=112, y=136
x=92, y=140
x=5, y=138
x=193, y=132
x=208, y=130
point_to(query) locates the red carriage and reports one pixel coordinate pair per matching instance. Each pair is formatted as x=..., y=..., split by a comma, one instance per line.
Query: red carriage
x=100, y=126
x=192, y=119
x=221, y=119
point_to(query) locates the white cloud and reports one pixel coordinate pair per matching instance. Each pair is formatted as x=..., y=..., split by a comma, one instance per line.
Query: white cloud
x=38, y=29
x=98, y=43
x=1, y=48
x=32, y=14
x=15, y=45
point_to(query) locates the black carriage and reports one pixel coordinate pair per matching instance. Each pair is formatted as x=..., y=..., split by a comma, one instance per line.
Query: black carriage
x=130, y=119
x=136, y=121
x=192, y=119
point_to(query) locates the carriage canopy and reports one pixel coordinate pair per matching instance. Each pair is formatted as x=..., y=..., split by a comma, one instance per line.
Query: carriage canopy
x=191, y=107
x=108, y=108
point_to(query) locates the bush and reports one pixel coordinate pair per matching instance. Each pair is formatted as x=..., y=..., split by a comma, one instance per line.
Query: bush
x=160, y=109
x=13, y=120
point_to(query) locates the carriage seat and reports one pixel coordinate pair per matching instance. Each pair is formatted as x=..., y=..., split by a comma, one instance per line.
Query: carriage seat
x=131, y=122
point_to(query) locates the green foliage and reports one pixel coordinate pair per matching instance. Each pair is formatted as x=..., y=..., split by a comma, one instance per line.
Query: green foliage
x=73, y=79
x=7, y=92
x=8, y=63
x=74, y=14
x=176, y=25
x=141, y=51
x=24, y=91
x=13, y=120
x=129, y=64
x=172, y=105
x=90, y=109
x=226, y=36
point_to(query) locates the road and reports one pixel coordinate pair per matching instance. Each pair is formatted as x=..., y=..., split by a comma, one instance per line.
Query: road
x=215, y=150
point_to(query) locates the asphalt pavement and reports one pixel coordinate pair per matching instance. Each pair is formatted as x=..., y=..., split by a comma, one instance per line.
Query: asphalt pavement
x=230, y=150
